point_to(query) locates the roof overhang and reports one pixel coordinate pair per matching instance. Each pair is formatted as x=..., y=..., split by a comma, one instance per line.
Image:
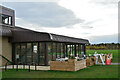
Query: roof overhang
x=5, y=32
x=19, y=34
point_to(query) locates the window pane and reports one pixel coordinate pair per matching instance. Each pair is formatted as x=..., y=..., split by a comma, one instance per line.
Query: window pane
x=35, y=55
x=23, y=53
x=6, y=19
x=49, y=53
x=17, y=53
x=29, y=54
x=54, y=51
x=10, y=19
x=41, y=55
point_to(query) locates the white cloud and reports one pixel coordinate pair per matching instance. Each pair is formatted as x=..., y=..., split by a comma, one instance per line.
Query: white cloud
x=104, y=38
x=29, y=0
x=98, y=19
x=24, y=24
x=105, y=2
x=102, y=18
x=44, y=14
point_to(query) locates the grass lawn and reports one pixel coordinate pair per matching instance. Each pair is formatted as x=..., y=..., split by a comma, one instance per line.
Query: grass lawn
x=114, y=52
x=96, y=71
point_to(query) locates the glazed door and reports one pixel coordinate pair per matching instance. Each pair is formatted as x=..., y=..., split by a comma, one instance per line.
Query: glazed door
x=23, y=53
x=42, y=54
x=29, y=53
x=35, y=53
x=20, y=53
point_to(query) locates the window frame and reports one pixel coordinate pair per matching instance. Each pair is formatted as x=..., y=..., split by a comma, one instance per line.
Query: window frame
x=9, y=21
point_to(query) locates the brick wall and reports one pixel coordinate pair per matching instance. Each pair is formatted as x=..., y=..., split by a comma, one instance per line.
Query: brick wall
x=6, y=50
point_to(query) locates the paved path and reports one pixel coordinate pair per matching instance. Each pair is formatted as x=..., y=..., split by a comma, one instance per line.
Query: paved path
x=115, y=63
x=27, y=67
x=111, y=63
x=38, y=67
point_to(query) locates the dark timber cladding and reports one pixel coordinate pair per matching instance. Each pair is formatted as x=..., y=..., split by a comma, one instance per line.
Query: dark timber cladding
x=24, y=35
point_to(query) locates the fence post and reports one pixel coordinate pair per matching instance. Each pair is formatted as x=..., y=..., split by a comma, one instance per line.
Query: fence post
x=35, y=67
x=13, y=66
x=29, y=67
x=6, y=67
x=17, y=67
x=23, y=66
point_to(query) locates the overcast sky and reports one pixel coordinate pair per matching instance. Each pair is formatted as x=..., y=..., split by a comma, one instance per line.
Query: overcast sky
x=96, y=20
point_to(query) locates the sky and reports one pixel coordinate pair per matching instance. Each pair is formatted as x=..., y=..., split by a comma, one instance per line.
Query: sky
x=95, y=20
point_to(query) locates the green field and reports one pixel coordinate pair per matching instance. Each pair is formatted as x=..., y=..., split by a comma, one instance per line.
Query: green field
x=114, y=52
x=97, y=71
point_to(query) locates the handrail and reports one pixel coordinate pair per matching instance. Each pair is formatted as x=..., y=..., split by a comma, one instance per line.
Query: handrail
x=6, y=59
x=7, y=64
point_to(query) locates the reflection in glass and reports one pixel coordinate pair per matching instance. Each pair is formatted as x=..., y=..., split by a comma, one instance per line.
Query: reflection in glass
x=6, y=19
x=23, y=53
x=41, y=54
x=29, y=54
x=17, y=53
x=35, y=55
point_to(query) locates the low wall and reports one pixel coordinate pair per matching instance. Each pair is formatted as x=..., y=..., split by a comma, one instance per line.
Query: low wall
x=70, y=65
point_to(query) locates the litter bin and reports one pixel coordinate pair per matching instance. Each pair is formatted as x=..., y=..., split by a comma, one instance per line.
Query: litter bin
x=108, y=61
